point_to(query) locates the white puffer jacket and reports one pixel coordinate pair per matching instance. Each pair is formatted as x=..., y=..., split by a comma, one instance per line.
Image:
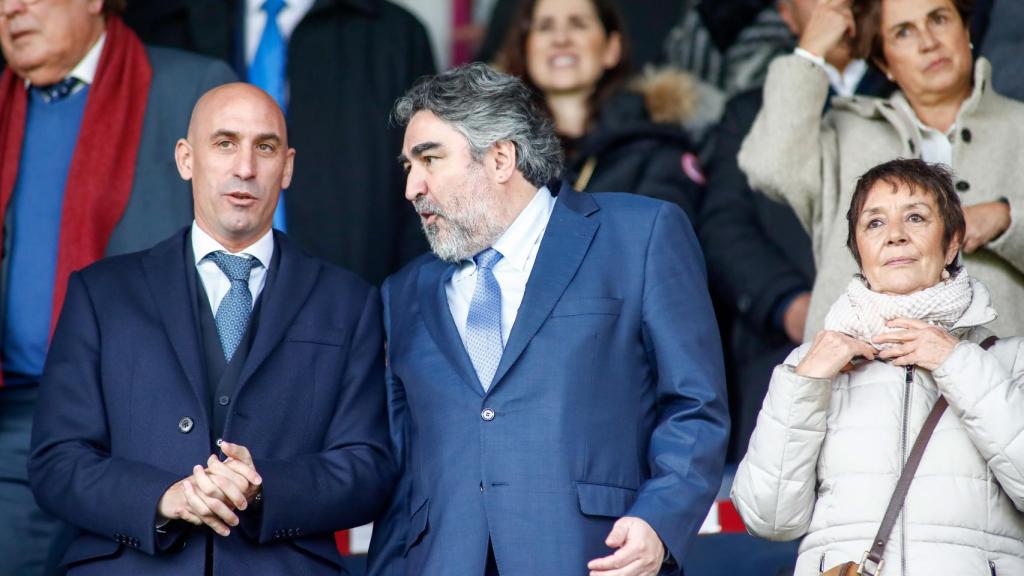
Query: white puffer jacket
x=825, y=456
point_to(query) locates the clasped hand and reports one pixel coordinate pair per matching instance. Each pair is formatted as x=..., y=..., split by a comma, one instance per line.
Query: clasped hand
x=211, y=495
x=914, y=343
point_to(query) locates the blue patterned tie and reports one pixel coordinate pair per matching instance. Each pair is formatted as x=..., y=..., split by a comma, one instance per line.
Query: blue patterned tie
x=60, y=90
x=267, y=71
x=232, y=315
x=483, y=326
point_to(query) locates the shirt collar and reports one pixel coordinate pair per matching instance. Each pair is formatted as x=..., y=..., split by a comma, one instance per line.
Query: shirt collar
x=845, y=82
x=517, y=242
x=86, y=69
x=203, y=245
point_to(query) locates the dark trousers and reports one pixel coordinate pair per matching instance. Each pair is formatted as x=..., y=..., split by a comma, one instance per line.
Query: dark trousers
x=27, y=533
x=492, y=566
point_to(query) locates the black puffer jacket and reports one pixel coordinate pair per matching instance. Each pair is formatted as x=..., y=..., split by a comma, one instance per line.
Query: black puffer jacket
x=628, y=151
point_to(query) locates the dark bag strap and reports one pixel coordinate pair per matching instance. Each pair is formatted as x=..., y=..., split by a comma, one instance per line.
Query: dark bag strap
x=872, y=562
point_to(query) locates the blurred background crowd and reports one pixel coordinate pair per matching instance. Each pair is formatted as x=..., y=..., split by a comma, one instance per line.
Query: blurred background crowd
x=705, y=103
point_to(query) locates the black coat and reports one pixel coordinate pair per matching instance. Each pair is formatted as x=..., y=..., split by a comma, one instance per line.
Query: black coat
x=758, y=255
x=630, y=153
x=349, y=60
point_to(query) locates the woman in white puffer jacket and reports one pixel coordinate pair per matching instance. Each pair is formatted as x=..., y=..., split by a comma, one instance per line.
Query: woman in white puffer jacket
x=842, y=412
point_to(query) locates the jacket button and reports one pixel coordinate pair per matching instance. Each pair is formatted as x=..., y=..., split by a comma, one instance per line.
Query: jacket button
x=965, y=135
x=185, y=425
x=224, y=400
x=963, y=186
x=487, y=414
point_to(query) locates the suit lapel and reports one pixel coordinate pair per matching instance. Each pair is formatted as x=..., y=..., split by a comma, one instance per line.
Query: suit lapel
x=166, y=271
x=438, y=318
x=288, y=286
x=565, y=243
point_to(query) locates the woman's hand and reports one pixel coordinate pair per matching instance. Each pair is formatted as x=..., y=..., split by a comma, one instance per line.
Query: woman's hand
x=830, y=22
x=985, y=222
x=830, y=353
x=919, y=343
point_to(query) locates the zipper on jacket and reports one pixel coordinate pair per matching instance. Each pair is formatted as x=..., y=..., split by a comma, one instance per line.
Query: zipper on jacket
x=907, y=387
x=992, y=568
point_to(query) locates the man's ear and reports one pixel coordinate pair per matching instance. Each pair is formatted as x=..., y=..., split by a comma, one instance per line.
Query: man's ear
x=183, y=158
x=501, y=160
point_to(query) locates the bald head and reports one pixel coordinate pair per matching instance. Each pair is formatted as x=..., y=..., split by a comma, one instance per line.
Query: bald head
x=237, y=157
x=235, y=94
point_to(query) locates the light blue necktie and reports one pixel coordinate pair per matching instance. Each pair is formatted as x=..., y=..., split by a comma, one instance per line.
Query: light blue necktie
x=483, y=326
x=267, y=71
x=232, y=315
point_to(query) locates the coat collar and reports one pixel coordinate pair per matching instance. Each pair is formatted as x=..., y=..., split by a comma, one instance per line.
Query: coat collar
x=563, y=247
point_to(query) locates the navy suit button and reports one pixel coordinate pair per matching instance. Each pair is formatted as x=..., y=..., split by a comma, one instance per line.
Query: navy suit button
x=487, y=414
x=224, y=400
x=185, y=425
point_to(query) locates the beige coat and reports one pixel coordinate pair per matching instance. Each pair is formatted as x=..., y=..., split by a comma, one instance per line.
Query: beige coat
x=812, y=163
x=825, y=456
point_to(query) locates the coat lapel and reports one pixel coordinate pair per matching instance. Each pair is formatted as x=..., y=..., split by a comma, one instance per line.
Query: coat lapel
x=288, y=286
x=438, y=319
x=565, y=243
x=165, y=268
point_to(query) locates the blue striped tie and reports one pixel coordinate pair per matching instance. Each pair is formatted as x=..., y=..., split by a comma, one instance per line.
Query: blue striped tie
x=268, y=69
x=483, y=325
x=232, y=315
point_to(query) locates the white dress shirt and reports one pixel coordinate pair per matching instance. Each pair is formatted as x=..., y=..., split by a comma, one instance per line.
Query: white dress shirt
x=936, y=146
x=518, y=247
x=215, y=281
x=255, y=19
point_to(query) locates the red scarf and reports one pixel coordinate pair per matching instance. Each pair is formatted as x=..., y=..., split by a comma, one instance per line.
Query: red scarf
x=103, y=165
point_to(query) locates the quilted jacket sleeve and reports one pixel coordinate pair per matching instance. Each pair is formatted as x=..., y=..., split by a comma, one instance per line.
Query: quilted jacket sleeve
x=775, y=486
x=985, y=389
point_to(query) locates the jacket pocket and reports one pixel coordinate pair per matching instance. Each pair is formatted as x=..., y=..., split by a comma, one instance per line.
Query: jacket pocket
x=417, y=524
x=322, y=547
x=587, y=306
x=89, y=547
x=604, y=500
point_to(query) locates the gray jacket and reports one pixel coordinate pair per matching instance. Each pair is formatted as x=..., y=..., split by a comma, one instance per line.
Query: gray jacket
x=812, y=163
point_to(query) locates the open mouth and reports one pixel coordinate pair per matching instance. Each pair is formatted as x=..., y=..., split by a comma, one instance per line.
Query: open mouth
x=563, y=61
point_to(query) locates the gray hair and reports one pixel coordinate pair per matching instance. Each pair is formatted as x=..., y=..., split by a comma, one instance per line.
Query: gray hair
x=486, y=107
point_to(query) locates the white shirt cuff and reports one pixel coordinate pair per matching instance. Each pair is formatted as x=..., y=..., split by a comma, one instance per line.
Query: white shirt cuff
x=807, y=55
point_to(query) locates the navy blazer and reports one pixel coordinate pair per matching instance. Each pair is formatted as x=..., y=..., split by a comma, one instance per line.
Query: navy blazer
x=609, y=400
x=125, y=369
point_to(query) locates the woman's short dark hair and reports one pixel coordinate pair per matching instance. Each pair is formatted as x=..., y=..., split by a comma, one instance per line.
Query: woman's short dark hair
x=919, y=176
x=511, y=58
x=867, y=16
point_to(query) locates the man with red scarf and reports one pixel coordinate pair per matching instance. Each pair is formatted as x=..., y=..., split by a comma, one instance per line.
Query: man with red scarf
x=88, y=117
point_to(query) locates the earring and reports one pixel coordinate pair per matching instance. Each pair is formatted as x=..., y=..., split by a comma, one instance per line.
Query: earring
x=971, y=46
x=889, y=76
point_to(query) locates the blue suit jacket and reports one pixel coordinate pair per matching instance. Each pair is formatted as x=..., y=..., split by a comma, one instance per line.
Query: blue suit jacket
x=126, y=366
x=609, y=401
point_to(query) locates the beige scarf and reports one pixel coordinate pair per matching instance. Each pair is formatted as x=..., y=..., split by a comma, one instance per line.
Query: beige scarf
x=862, y=313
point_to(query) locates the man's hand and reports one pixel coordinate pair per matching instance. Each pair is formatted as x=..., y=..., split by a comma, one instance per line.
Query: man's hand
x=985, y=222
x=640, y=551
x=918, y=344
x=211, y=495
x=831, y=22
x=174, y=506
